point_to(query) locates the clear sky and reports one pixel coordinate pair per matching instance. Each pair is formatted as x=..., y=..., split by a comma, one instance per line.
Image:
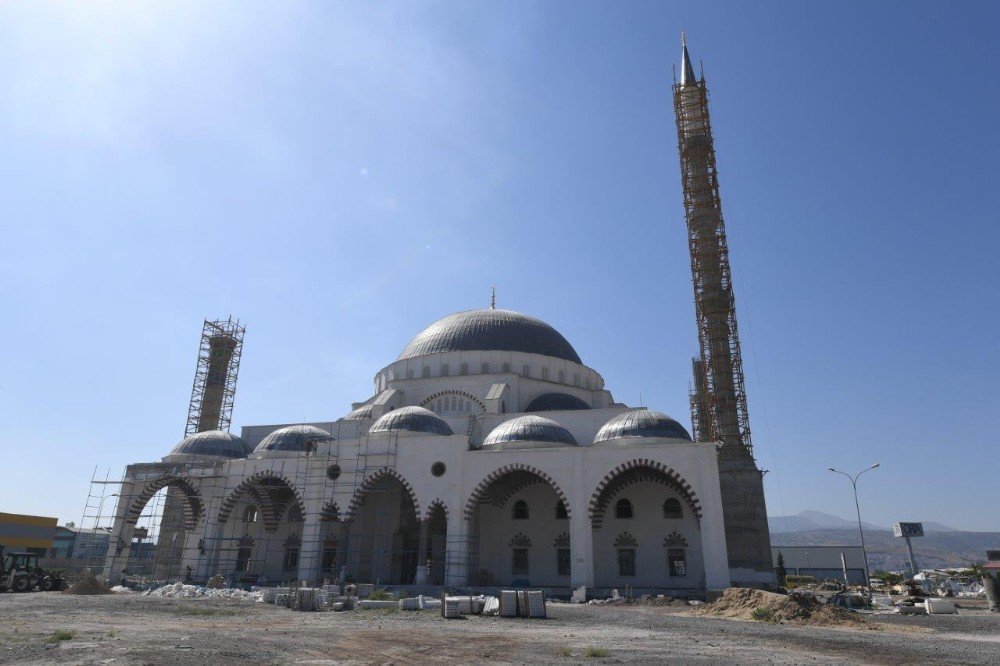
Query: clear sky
x=339, y=175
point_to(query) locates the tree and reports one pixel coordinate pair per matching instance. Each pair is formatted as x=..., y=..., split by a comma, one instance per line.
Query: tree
x=779, y=571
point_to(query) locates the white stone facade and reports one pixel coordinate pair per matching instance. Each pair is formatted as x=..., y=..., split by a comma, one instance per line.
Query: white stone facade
x=411, y=505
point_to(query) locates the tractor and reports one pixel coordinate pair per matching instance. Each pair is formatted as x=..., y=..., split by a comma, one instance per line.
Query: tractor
x=19, y=572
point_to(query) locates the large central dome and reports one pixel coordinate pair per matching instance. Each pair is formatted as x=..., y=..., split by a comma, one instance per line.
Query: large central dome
x=490, y=330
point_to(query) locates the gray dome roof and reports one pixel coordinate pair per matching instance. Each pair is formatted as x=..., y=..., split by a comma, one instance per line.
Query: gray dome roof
x=362, y=412
x=517, y=432
x=641, y=423
x=549, y=402
x=412, y=419
x=490, y=330
x=293, y=438
x=212, y=443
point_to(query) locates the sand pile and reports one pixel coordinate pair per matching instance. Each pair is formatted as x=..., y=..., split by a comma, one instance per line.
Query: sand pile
x=87, y=583
x=747, y=604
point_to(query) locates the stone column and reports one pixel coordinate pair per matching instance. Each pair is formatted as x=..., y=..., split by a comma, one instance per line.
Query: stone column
x=423, y=569
x=581, y=544
x=456, y=572
x=311, y=549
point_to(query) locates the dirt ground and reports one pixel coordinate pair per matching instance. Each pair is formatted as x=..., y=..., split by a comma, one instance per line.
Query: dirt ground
x=128, y=629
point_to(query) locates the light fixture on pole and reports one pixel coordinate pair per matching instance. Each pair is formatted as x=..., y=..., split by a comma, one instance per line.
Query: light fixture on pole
x=864, y=551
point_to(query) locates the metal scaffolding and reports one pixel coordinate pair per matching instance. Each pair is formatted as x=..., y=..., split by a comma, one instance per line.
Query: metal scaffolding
x=214, y=388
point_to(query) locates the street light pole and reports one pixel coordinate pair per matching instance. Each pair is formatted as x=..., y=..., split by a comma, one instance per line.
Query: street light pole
x=857, y=505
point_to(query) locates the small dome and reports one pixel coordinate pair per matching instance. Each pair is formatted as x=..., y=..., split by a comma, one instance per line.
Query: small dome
x=294, y=438
x=412, y=419
x=641, y=423
x=527, y=432
x=362, y=412
x=212, y=443
x=552, y=402
x=490, y=330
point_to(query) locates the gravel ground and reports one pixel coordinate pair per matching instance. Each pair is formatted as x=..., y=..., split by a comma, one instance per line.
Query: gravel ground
x=133, y=629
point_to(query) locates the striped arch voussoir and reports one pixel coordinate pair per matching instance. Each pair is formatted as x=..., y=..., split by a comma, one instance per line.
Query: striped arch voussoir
x=193, y=507
x=253, y=486
x=438, y=502
x=659, y=472
x=370, y=481
x=483, y=486
x=468, y=396
x=330, y=513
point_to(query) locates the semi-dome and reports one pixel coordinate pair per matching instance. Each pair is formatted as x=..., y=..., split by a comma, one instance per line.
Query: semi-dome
x=490, y=330
x=412, y=419
x=298, y=438
x=551, y=402
x=641, y=423
x=527, y=432
x=212, y=443
x=362, y=412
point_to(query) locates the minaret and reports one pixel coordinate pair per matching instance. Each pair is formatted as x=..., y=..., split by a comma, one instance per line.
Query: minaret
x=718, y=401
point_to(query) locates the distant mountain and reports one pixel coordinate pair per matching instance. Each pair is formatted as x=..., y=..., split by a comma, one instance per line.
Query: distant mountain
x=809, y=520
x=939, y=549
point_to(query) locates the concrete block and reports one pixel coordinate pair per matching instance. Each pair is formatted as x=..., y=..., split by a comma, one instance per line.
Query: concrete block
x=368, y=604
x=940, y=607
x=364, y=589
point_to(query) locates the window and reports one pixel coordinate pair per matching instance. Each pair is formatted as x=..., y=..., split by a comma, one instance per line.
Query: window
x=506, y=367
x=243, y=559
x=409, y=373
x=427, y=371
x=576, y=379
x=295, y=514
x=484, y=368
x=329, y=559
x=333, y=472
x=438, y=469
x=626, y=561
x=672, y=508
x=562, y=376
x=519, y=561
x=463, y=369
x=520, y=511
x=545, y=374
x=444, y=369
x=250, y=514
x=561, y=511
x=562, y=562
x=526, y=370
x=291, y=558
x=623, y=509
x=676, y=562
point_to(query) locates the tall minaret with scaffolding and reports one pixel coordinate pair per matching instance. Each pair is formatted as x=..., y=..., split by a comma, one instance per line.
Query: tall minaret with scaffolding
x=718, y=399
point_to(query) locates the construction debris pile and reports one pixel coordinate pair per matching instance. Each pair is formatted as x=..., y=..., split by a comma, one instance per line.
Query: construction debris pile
x=749, y=604
x=87, y=583
x=179, y=589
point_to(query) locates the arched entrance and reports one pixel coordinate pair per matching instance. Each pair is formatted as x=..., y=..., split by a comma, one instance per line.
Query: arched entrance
x=518, y=530
x=647, y=532
x=260, y=531
x=383, y=537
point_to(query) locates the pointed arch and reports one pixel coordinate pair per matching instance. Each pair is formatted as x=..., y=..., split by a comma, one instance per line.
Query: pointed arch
x=330, y=513
x=637, y=471
x=480, y=492
x=370, y=481
x=193, y=506
x=438, y=503
x=268, y=490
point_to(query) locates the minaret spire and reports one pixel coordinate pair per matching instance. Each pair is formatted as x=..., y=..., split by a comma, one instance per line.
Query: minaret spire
x=687, y=71
x=493, y=297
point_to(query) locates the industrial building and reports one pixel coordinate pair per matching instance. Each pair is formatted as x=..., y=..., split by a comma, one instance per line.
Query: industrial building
x=488, y=454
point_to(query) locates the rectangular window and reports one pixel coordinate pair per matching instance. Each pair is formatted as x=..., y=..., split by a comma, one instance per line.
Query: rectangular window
x=427, y=371
x=291, y=558
x=444, y=370
x=519, y=561
x=485, y=368
x=329, y=559
x=525, y=371
x=506, y=367
x=545, y=374
x=626, y=561
x=562, y=561
x=562, y=376
x=676, y=562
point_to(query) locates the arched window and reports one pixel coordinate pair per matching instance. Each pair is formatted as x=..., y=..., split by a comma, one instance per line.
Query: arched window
x=526, y=370
x=463, y=369
x=545, y=374
x=250, y=514
x=506, y=367
x=623, y=508
x=427, y=371
x=520, y=511
x=672, y=508
x=485, y=368
x=409, y=373
x=444, y=369
x=561, y=513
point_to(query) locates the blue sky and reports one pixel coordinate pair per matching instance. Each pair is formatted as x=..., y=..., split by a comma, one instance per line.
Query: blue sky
x=340, y=175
